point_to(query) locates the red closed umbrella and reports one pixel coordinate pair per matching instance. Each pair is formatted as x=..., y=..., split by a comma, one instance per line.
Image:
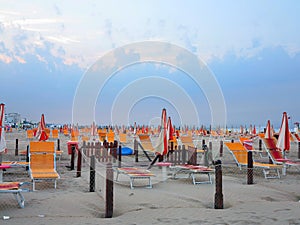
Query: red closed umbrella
x=269, y=133
x=162, y=144
x=41, y=132
x=170, y=130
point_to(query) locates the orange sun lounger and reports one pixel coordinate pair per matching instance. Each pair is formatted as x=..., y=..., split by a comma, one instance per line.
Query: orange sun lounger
x=42, y=162
x=240, y=155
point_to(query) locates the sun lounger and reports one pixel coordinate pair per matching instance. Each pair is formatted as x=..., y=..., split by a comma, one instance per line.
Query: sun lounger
x=275, y=154
x=192, y=170
x=42, y=162
x=29, y=134
x=110, y=137
x=55, y=134
x=187, y=141
x=240, y=155
x=146, y=143
x=15, y=163
x=15, y=189
x=135, y=173
x=123, y=138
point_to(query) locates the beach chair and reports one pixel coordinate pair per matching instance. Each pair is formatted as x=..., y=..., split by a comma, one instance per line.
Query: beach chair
x=123, y=138
x=146, y=143
x=276, y=155
x=55, y=134
x=102, y=135
x=135, y=173
x=29, y=134
x=15, y=189
x=240, y=156
x=110, y=137
x=42, y=164
x=188, y=141
x=85, y=138
x=192, y=171
x=15, y=163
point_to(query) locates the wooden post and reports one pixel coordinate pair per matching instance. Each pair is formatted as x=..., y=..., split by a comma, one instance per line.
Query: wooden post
x=210, y=146
x=27, y=157
x=136, y=151
x=206, y=155
x=115, y=151
x=250, y=168
x=120, y=157
x=109, y=200
x=58, y=144
x=72, y=166
x=299, y=150
x=218, y=194
x=79, y=161
x=92, y=174
x=183, y=154
x=221, y=148
x=259, y=144
x=17, y=147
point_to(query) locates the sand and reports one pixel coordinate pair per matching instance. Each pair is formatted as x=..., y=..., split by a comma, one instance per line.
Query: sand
x=267, y=201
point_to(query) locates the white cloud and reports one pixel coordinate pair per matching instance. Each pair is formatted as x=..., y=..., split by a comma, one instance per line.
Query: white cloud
x=5, y=58
x=20, y=59
x=61, y=39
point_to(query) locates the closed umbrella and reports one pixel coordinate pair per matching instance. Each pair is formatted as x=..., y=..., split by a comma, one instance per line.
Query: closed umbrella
x=41, y=133
x=162, y=141
x=2, y=134
x=269, y=133
x=94, y=130
x=254, y=131
x=170, y=129
x=283, y=142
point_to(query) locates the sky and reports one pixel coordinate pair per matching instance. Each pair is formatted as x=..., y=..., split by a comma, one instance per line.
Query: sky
x=250, y=48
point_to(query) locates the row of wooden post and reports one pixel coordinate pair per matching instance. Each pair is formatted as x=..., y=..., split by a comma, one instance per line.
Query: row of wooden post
x=109, y=190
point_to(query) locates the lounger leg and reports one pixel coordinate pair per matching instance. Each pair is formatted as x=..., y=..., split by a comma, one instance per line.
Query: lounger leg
x=201, y=182
x=20, y=199
x=209, y=178
x=33, y=185
x=283, y=169
x=150, y=184
x=117, y=176
x=131, y=182
x=278, y=173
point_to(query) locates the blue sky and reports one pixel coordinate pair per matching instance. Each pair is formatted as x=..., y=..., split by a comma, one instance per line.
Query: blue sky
x=251, y=47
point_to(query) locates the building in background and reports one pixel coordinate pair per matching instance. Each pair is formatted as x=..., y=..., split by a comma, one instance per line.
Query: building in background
x=12, y=119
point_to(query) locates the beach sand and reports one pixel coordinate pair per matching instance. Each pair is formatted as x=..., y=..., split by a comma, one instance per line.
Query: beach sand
x=267, y=201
